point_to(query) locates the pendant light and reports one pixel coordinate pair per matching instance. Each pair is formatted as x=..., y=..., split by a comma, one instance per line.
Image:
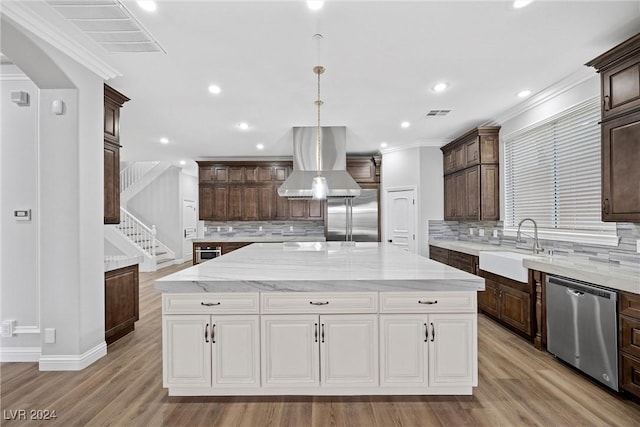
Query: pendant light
x=319, y=188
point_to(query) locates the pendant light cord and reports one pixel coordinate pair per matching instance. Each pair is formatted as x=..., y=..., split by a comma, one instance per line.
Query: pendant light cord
x=319, y=70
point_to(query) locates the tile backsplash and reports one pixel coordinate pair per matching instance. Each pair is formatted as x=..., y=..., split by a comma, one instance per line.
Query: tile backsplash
x=311, y=229
x=623, y=254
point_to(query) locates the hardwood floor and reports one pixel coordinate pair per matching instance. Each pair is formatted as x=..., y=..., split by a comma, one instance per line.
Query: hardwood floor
x=125, y=389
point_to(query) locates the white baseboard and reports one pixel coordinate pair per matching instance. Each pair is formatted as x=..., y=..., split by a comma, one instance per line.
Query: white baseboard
x=73, y=362
x=19, y=354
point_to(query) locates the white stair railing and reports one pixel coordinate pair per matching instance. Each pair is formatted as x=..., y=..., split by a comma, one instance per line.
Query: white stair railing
x=136, y=231
x=133, y=172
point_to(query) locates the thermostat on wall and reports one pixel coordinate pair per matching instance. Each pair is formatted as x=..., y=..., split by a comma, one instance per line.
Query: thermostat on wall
x=22, y=215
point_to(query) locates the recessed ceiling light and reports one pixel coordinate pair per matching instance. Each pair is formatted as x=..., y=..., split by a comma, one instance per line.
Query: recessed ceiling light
x=383, y=145
x=260, y=146
x=164, y=140
x=149, y=6
x=405, y=124
x=215, y=89
x=243, y=126
x=440, y=87
x=182, y=162
x=519, y=4
x=315, y=5
x=524, y=93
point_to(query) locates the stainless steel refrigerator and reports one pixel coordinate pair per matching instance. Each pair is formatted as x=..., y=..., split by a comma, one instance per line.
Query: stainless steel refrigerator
x=364, y=214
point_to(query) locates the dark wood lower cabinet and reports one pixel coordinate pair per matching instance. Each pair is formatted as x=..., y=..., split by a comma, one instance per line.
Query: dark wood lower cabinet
x=509, y=302
x=121, y=302
x=629, y=343
x=111, y=183
x=439, y=254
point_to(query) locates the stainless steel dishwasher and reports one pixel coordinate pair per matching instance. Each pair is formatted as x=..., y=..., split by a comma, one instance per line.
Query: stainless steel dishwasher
x=582, y=327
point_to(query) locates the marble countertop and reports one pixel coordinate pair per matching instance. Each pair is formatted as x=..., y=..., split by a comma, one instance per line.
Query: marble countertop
x=319, y=267
x=258, y=239
x=114, y=262
x=610, y=275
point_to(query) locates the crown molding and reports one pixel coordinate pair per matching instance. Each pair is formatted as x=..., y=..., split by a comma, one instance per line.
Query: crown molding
x=26, y=15
x=420, y=144
x=572, y=80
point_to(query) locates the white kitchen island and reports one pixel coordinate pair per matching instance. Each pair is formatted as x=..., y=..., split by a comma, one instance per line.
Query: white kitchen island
x=319, y=319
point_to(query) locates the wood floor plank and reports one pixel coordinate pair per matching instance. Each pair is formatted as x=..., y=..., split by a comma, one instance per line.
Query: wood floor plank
x=518, y=386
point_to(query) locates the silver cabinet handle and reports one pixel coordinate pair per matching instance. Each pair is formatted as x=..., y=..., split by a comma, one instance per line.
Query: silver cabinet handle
x=318, y=303
x=209, y=304
x=426, y=333
x=433, y=333
x=315, y=334
x=322, y=333
x=213, y=333
x=427, y=302
x=206, y=333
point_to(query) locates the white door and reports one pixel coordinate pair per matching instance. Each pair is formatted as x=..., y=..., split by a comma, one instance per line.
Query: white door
x=403, y=350
x=189, y=227
x=349, y=350
x=453, y=352
x=186, y=350
x=400, y=214
x=236, y=350
x=289, y=350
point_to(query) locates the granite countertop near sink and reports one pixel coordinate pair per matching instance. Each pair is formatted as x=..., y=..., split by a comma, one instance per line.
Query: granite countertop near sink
x=259, y=239
x=114, y=262
x=609, y=275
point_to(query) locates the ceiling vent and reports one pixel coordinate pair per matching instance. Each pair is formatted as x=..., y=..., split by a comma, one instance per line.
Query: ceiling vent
x=109, y=23
x=438, y=113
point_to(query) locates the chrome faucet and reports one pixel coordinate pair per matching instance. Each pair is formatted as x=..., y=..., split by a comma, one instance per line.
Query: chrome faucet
x=536, y=245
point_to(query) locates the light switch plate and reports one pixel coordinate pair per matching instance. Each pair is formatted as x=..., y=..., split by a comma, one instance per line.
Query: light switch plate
x=22, y=214
x=638, y=246
x=495, y=233
x=471, y=232
x=481, y=232
x=8, y=326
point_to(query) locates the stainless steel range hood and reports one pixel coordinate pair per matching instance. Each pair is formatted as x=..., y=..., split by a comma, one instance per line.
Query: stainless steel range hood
x=334, y=164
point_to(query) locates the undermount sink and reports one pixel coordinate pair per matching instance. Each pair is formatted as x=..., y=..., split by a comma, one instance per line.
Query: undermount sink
x=506, y=264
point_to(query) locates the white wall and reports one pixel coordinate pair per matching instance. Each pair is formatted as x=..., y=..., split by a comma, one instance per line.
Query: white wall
x=19, y=285
x=70, y=187
x=431, y=191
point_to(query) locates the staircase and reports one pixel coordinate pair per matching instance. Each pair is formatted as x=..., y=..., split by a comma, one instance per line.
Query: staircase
x=156, y=254
x=132, y=236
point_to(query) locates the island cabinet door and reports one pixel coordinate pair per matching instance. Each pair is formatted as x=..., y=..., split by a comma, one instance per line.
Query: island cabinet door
x=453, y=350
x=186, y=351
x=404, y=342
x=349, y=350
x=236, y=351
x=289, y=350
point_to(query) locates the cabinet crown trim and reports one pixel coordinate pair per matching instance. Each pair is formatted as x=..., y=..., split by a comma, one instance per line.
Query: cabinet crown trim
x=621, y=52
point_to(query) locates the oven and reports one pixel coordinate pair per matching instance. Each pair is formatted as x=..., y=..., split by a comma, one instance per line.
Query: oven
x=205, y=253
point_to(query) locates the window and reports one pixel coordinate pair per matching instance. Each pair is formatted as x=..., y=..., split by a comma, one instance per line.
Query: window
x=552, y=174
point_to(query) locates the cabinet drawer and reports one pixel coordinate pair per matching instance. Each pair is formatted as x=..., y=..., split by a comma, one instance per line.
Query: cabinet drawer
x=630, y=336
x=630, y=374
x=428, y=302
x=319, y=302
x=439, y=254
x=210, y=303
x=629, y=305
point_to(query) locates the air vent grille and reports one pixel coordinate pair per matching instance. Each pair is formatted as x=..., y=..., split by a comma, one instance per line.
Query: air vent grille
x=438, y=113
x=109, y=23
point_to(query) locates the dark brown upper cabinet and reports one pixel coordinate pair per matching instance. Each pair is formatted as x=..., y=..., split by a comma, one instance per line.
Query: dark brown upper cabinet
x=113, y=101
x=471, y=176
x=619, y=70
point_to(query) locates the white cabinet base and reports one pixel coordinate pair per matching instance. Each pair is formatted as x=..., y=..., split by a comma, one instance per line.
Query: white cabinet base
x=320, y=391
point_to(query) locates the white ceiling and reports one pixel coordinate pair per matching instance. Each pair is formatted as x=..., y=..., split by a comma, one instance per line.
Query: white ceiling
x=381, y=57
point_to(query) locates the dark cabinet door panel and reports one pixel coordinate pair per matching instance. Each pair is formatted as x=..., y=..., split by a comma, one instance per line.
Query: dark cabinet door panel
x=111, y=183
x=515, y=308
x=488, y=299
x=121, y=302
x=472, y=186
x=490, y=192
x=620, y=171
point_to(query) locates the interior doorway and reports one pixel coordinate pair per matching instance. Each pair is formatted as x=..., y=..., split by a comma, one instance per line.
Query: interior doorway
x=401, y=216
x=189, y=224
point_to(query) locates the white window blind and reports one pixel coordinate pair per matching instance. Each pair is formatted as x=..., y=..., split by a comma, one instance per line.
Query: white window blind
x=552, y=174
